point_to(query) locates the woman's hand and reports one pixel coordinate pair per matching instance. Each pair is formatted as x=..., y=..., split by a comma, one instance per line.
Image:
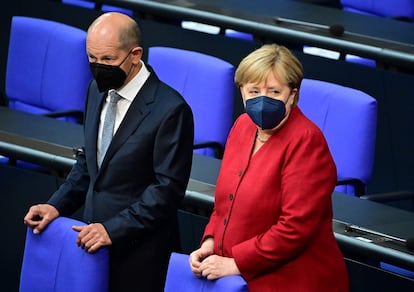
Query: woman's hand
x=214, y=267
x=197, y=256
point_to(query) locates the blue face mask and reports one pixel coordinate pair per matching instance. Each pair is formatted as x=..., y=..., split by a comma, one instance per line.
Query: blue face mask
x=265, y=112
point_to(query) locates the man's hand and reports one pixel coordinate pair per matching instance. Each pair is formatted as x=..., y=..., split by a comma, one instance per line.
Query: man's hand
x=39, y=216
x=92, y=237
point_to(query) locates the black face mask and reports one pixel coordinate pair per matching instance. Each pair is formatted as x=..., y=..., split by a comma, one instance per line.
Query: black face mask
x=108, y=76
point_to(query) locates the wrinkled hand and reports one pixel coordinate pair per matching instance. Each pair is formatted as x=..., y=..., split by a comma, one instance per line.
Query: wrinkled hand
x=197, y=256
x=215, y=267
x=39, y=216
x=92, y=237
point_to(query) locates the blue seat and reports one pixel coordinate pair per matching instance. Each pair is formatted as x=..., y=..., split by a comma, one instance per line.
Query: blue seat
x=397, y=270
x=207, y=84
x=47, y=68
x=112, y=8
x=80, y=3
x=53, y=262
x=180, y=278
x=103, y=7
x=239, y=35
x=348, y=119
x=397, y=9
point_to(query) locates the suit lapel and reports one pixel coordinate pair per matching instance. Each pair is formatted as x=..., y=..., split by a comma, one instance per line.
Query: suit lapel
x=138, y=110
x=94, y=107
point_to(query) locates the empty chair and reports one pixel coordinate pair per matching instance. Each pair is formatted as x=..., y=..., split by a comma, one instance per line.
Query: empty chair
x=81, y=3
x=207, y=84
x=348, y=118
x=53, y=262
x=47, y=68
x=212, y=29
x=397, y=9
x=111, y=8
x=239, y=35
x=102, y=7
x=180, y=278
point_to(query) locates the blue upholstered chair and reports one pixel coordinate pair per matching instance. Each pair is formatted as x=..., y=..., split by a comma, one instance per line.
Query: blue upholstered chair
x=239, y=35
x=47, y=68
x=52, y=261
x=207, y=84
x=397, y=9
x=80, y=3
x=103, y=7
x=180, y=278
x=348, y=119
x=112, y=8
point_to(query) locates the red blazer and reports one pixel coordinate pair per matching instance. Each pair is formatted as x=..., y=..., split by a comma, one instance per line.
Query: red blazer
x=273, y=210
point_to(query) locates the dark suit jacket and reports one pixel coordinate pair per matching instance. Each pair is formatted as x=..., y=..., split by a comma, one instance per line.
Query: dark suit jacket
x=142, y=179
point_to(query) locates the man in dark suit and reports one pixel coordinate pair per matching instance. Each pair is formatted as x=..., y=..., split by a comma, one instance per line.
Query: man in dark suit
x=131, y=191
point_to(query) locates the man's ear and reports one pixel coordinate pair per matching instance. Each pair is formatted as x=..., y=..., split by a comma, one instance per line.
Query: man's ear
x=137, y=54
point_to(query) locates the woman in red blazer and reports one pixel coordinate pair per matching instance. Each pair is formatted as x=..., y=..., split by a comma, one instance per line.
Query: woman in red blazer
x=272, y=220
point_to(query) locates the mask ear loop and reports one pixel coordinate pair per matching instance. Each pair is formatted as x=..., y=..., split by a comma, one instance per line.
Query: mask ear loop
x=132, y=65
x=125, y=57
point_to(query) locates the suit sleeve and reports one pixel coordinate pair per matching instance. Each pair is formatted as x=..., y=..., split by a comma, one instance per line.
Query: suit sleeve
x=72, y=193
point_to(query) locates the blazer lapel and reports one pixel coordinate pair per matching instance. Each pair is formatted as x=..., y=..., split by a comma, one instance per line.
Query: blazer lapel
x=94, y=106
x=138, y=110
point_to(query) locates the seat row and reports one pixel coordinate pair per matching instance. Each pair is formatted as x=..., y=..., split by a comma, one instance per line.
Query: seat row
x=53, y=262
x=44, y=82
x=54, y=77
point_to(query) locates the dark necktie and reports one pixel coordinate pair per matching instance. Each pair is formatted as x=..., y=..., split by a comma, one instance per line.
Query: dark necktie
x=108, y=126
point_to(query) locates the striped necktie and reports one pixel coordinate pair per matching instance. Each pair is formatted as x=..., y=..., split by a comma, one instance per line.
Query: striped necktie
x=109, y=122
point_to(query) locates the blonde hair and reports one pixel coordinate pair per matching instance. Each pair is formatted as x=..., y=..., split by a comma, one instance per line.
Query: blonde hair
x=256, y=66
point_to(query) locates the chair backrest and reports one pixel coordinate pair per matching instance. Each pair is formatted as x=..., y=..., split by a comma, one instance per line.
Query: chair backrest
x=207, y=84
x=239, y=35
x=52, y=261
x=347, y=117
x=81, y=3
x=180, y=278
x=399, y=9
x=47, y=66
x=103, y=7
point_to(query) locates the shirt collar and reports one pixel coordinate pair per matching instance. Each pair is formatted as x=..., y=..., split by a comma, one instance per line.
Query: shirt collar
x=131, y=89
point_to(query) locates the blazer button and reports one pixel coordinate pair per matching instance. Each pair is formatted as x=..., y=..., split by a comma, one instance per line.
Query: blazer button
x=231, y=197
x=219, y=245
x=225, y=221
x=241, y=172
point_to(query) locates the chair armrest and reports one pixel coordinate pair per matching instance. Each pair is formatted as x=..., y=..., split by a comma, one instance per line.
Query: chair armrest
x=389, y=196
x=217, y=148
x=359, y=185
x=76, y=114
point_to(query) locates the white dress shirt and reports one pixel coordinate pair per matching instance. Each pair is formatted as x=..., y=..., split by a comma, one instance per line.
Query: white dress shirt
x=128, y=93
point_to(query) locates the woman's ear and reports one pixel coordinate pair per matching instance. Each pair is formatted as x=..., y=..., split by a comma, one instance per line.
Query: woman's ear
x=293, y=96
